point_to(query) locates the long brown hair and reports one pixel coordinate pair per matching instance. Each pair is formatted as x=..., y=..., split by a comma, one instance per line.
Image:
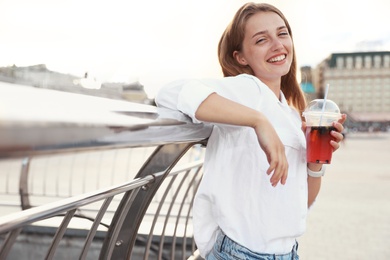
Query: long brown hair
x=232, y=40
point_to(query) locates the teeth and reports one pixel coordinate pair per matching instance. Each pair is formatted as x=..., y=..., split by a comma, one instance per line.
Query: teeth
x=278, y=58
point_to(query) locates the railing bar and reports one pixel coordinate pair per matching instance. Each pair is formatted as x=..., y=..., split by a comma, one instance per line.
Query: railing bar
x=180, y=169
x=99, y=170
x=23, y=184
x=96, y=223
x=174, y=232
x=156, y=216
x=51, y=209
x=71, y=175
x=46, y=163
x=191, y=205
x=163, y=158
x=129, y=156
x=180, y=209
x=57, y=177
x=119, y=221
x=85, y=177
x=9, y=242
x=59, y=234
x=169, y=212
x=184, y=245
x=113, y=167
x=6, y=183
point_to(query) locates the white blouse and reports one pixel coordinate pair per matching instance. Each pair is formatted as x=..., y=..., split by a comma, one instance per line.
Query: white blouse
x=235, y=194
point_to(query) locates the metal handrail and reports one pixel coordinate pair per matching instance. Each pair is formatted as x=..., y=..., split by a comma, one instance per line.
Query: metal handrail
x=19, y=219
x=58, y=123
x=41, y=122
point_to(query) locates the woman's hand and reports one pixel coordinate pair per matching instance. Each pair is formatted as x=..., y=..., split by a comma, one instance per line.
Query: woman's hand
x=274, y=149
x=337, y=135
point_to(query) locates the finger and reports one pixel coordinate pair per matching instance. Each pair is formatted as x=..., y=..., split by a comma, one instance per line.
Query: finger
x=342, y=119
x=280, y=176
x=304, y=126
x=339, y=127
x=272, y=167
x=335, y=145
x=275, y=174
x=284, y=176
x=275, y=178
x=280, y=173
x=338, y=137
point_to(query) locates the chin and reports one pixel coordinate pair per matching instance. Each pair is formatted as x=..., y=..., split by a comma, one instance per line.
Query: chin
x=283, y=72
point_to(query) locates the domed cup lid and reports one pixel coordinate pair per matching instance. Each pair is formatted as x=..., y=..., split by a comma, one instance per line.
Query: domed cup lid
x=315, y=115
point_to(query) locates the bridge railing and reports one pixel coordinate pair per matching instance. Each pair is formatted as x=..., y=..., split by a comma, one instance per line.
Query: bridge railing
x=145, y=217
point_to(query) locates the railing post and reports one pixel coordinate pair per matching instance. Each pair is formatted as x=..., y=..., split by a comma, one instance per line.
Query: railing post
x=9, y=242
x=23, y=184
x=59, y=234
x=123, y=230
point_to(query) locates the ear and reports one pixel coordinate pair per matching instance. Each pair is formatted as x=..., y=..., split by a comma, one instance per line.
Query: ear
x=239, y=58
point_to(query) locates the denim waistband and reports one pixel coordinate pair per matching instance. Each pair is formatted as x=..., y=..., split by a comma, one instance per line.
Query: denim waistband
x=227, y=245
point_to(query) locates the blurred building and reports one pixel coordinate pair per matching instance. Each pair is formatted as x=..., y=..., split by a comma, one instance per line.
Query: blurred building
x=359, y=83
x=307, y=84
x=40, y=77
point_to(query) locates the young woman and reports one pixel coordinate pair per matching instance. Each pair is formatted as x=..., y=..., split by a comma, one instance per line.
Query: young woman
x=257, y=186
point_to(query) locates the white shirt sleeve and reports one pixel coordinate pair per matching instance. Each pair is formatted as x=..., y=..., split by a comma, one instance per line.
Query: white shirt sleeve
x=187, y=95
x=183, y=95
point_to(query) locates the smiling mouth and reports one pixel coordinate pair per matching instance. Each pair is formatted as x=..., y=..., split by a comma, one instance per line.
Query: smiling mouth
x=277, y=58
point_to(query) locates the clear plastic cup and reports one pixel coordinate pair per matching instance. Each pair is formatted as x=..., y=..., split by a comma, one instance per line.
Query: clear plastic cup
x=318, y=127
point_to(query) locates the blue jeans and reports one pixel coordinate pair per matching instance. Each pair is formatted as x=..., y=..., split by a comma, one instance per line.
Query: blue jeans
x=226, y=249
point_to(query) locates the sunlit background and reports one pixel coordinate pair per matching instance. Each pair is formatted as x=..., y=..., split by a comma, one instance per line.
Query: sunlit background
x=155, y=42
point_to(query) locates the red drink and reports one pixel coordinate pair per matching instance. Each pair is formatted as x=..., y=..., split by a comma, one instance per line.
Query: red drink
x=318, y=145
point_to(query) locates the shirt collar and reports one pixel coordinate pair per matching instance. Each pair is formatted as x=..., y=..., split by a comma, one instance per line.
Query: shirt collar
x=283, y=99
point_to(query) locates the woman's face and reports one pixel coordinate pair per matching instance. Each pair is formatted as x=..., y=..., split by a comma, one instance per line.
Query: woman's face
x=267, y=47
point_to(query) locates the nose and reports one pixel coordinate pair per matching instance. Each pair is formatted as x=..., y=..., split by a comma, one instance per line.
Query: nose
x=277, y=45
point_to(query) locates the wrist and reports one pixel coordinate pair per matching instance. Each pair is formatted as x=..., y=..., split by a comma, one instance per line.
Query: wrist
x=316, y=173
x=258, y=120
x=315, y=167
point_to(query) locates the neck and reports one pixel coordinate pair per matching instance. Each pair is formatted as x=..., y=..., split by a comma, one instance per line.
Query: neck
x=274, y=85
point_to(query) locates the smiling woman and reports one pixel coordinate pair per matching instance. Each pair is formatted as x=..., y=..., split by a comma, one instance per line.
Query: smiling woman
x=257, y=147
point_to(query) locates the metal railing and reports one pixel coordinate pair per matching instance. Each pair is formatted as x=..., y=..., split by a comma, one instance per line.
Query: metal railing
x=147, y=217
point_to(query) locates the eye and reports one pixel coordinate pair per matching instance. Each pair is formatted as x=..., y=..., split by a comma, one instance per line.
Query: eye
x=284, y=33
x=260, y=40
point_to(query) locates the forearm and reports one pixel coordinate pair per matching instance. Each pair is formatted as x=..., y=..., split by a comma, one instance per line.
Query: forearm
x=218, y=109
x=314, y=183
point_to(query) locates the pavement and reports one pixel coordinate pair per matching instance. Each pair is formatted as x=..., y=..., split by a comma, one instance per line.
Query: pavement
x=350, y=219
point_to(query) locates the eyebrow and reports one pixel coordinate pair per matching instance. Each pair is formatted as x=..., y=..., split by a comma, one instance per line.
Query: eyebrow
x=266, y=31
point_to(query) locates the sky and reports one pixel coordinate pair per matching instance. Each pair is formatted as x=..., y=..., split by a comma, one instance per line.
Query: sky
x=155, y=42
